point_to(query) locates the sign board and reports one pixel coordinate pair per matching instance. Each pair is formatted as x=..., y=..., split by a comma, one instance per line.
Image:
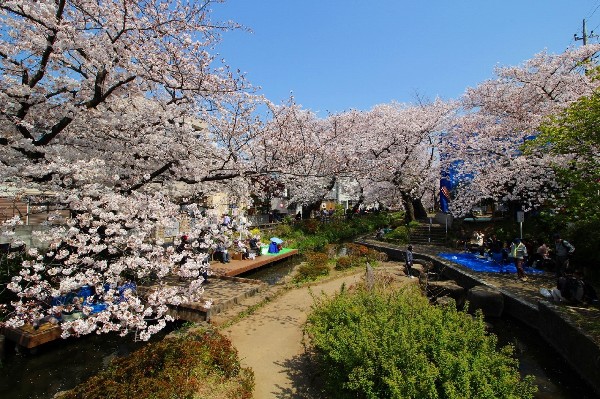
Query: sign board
x=520, y=216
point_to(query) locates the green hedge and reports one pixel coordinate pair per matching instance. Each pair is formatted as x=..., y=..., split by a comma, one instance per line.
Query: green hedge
x=394, y=344
x=314, y=235
x=400, y=233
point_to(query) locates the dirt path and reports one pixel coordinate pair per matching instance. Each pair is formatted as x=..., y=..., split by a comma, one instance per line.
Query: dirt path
x=270, y=341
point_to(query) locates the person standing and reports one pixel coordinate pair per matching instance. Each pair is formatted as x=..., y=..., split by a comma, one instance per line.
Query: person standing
x=409, y=261
x=563, y=251
x=518, y=251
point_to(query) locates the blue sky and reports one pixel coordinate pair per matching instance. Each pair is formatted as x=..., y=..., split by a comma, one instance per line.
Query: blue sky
x=337, y=55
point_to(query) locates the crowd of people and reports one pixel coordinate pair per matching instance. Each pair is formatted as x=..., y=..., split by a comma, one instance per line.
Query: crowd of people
x=525, y=253
x=554, y=258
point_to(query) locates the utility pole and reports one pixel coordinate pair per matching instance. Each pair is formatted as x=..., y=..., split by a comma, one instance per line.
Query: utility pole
x=584, y=35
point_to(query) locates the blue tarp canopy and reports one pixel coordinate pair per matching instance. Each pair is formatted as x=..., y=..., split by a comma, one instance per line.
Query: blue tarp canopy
x=479, y=264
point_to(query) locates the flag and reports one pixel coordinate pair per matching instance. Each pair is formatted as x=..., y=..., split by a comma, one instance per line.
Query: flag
x=445, y=192
x=445, y=186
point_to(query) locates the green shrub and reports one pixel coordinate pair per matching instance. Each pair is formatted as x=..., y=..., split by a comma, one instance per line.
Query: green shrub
x=193, y=365
x=312, y=243
x=282, y=230
x=400, y=233
x=316, y=265
x=310, y=226
x=394, y=344
x=413, y=224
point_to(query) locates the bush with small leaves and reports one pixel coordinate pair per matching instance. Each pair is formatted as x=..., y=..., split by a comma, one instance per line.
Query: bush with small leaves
x=316, y=265
x=343, y=263
x=386, y=343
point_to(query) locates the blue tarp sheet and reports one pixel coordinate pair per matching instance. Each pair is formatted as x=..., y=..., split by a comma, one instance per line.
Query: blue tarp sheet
x=493, y=265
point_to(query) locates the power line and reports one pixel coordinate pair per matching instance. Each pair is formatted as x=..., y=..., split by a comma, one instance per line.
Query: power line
x=593, y=12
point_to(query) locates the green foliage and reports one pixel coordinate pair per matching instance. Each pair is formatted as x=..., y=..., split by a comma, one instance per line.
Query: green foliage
x=200, y=364
x=394, y=344
x=282, y=230
x=255, y=232
x=400, y=233
x=311, y=243
x=574, y=209
x=412, y=224
x=315, y=266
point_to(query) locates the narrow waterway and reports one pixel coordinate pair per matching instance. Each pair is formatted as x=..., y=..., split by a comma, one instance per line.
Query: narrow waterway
x=553, y=376
x=61, y=365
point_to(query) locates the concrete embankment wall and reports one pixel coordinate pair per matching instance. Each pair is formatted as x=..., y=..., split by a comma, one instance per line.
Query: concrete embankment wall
x=578, y=349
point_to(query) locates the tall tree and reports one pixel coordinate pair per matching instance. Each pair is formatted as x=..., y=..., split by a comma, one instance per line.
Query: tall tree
x=397, y=159
x=105, y=102
x=500, y=114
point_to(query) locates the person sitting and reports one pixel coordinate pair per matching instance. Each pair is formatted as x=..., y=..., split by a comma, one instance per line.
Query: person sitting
x=273, y=248
x=242, y=249
x=476, y=242
x=541, y=259
x=254, y=244
x=222, y=251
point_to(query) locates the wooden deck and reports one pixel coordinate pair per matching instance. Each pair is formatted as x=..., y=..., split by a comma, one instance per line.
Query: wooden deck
x=236, y=266
x=28, y=337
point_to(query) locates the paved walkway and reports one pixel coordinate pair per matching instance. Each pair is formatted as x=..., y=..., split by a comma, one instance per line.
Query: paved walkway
x=270, y=341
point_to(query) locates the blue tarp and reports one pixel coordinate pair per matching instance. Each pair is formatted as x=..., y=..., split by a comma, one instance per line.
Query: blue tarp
x=495, y=265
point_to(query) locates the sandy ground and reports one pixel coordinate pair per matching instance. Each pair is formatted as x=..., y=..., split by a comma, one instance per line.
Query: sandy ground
x=270, y=341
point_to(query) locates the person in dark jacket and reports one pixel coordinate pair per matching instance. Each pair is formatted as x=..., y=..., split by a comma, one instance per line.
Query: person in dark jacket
x=409, y=261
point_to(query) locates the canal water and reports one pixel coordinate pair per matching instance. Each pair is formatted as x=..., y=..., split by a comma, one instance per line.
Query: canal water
x=62, y=364
x=553, y=376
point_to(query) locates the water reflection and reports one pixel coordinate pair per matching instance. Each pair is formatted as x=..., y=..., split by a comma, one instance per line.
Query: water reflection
x=61, y=365
x=553, y=376
x=274, y=273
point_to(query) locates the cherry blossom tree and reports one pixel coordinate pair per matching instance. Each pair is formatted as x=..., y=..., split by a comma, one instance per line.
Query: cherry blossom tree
x=107, y=103
x=396, y=159
x=304, y=153
x=500, y=114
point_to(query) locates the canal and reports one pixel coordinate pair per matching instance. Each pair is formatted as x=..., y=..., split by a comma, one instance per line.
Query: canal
x=62, y=364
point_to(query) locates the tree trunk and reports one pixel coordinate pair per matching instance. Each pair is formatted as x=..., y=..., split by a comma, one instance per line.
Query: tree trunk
x=419, y=209
x=409, y=210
